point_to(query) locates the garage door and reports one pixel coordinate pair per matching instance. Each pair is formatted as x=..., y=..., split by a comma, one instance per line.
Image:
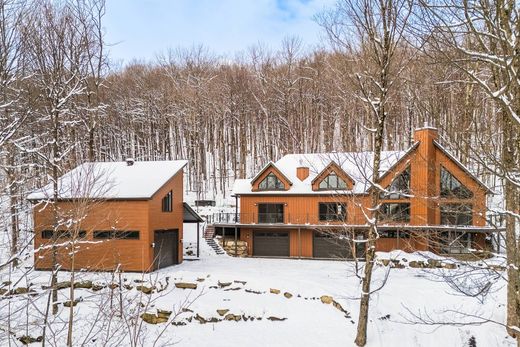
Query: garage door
x=271, y=244
x=166, y=248
x=327, y=246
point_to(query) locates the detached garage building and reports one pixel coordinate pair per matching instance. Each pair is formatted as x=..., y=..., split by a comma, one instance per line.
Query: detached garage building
x=127, y=215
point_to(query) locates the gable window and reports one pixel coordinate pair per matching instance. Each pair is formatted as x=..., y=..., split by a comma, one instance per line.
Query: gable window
x=167, y=202
x=395, y=212
x=332, y=212
x=270, y=213
x=332, y=181
x=271, y=182
x=400, y=186
x=452, y=188
x=456, y=214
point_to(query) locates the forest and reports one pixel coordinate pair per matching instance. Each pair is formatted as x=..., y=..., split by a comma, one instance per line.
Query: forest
x=387, y=68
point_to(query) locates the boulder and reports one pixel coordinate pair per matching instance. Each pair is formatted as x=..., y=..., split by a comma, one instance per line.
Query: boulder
x=274, y=291
x=224, y=284
x=26, y=339
x=241, y=282
x=201, y=319
x=113, y=286
x=273, y=318
x=222, y=312
x=145, y=289
x=434, y=263
x=235, y=317
x=186, y=285
x=287, y=295
x=326, y=299
x=97, y=287
x=200, y=279
x=253, y=291
x=385, y=262
x=416, y=264
x=83, y=285
x=150, y=318
x=449, y=266
x=163, y=313
x=71, y=303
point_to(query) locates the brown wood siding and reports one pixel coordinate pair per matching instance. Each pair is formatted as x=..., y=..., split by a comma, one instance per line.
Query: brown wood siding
x=168, y=220
x=133, y=255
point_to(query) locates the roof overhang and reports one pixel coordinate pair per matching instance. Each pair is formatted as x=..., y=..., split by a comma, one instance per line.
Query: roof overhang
x=189, y=215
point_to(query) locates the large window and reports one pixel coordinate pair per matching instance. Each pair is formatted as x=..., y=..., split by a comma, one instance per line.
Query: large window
x=332, y=181
x=400, y=186
x=271, y=182
x=456, y=214
x=270, y=213
x=167, y=202
x=395, y=212
x=452, y=188
x=116, y=234
x=332, y=211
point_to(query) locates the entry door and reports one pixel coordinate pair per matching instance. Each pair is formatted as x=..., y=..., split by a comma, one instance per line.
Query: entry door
x=166, y=249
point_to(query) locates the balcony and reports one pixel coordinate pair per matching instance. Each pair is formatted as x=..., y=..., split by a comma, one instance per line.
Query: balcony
x=274, y=218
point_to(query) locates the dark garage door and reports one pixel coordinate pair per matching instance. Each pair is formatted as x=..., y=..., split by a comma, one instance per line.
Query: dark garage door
x=271, y=244
x=166, y=247
x=327, y=246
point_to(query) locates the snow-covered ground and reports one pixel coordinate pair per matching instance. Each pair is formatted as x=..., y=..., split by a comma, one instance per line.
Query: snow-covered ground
x=243, y=286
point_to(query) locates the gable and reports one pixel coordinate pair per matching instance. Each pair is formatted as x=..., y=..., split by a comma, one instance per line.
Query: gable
x=269, y=169
x=332, y=168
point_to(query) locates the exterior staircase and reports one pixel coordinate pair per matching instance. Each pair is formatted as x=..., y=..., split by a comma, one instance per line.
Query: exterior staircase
x=209, y=236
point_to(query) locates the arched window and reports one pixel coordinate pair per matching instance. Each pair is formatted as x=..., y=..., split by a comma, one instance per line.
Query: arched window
x=332, y=181
x=400, y=186
x=271, y=182
x=452, y=188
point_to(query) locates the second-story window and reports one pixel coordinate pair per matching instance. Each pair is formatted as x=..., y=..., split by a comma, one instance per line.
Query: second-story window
x=332, y=212
x=395, y=212
x=270, y=213
x=451, y=187
x=271, y=182
x=167, y=202
x=332, y=181
x=456, y=214
x=400, y=186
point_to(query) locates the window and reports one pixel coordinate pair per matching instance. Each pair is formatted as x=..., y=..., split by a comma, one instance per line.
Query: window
x=117, y=234
x=62, y=234
x=400, y=186
x=456, y=214
x=392, y=234
x=395, y=212
x=456, y=242
x=167, y=202
x=270, y=213
x=452, y=188
x=332, y=181
x=271, y=182
x=331, y=211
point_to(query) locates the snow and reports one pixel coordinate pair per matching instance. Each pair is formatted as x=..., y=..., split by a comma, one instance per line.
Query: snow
x=358, y=165
x=113, y=180
x=309, y=322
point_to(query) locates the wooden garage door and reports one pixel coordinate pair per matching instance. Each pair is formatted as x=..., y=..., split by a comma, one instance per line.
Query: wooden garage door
x=271, y=244
x=327, y=246
x=166, y=248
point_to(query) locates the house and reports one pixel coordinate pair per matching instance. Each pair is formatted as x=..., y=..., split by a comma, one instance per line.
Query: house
x=315, y=205
x=127, y=215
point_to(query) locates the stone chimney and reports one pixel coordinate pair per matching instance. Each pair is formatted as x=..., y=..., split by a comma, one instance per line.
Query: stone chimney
x=302, y=172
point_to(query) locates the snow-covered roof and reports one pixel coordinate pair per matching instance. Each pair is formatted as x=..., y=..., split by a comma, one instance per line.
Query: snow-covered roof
x=113, y=180
x=358, y=165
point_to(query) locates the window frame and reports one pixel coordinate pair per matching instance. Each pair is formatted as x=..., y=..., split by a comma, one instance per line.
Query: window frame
x=398, y=194
x=448, y=193
x=386, y=217
x=326, y=217
x=48, y=234
x=261, y=220
x=167, y=202
x=266, y=179
x=452, y=212
x=329, y=187
x=116, y=234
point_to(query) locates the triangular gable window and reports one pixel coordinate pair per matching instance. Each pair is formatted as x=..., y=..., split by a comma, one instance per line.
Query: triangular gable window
x=400, y=186
x=452, y=188
x=332, y=181
x=271, y=182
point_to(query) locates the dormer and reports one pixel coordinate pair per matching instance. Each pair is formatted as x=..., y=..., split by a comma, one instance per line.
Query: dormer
x=270, y=178
x=332, y=178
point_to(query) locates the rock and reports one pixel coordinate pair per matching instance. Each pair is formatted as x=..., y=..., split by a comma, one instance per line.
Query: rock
x=201, y=279
x=184, y=309
x=416, y=264
x=385, y=262
x=274, y=291
x=3, y=291
x=338, y=306
x=385, y=317
x=97, y=287
x=434, y=263
x=163, y=314
x=178, y=323
x=20, y=290
x=450, y=266
x=186, y=285
x=273, y=318
x=26, y=339
x=252, y=291
x=201, y=319
x=287, y=295
x=214, y=320
x=113, y=286
x=83, y=284
x=234, y=317
x=326, y=299
x=241, y=282
x=224, y=284
x=6, y=283
x=222, y=312
x=150, y=318
x=145, y=289
x=497, y=267
x=128, y=287
x=228, y=289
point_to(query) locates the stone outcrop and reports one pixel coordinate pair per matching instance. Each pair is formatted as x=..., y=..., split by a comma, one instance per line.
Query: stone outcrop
x=229, y=247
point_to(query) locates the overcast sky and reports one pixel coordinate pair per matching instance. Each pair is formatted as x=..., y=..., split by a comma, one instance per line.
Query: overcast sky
x=139, y=29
